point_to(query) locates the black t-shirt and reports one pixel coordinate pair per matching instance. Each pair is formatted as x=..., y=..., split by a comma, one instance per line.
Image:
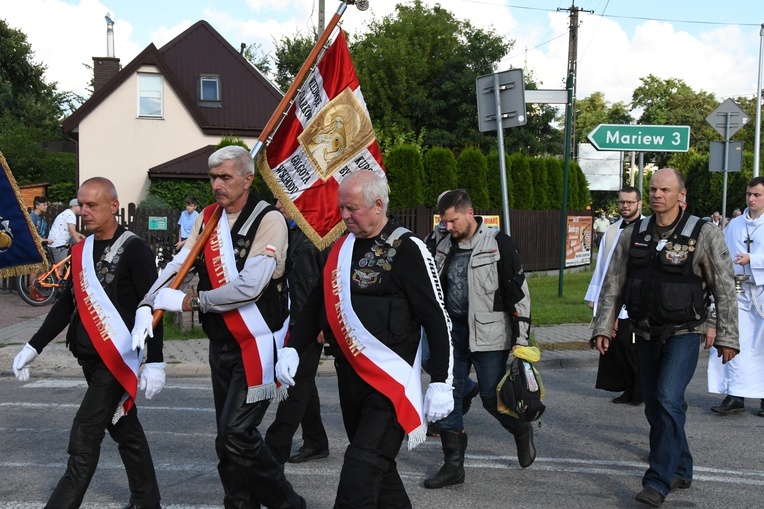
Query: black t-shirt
x=134, y=275
x=393, y=292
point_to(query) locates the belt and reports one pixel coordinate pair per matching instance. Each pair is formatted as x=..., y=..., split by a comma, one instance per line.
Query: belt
x=59, y=247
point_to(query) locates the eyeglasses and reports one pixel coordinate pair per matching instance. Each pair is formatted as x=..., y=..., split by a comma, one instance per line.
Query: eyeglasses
x=624, y=202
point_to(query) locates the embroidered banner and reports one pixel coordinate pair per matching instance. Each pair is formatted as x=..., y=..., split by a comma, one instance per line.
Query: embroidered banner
x=326, y=136
x=20, y=247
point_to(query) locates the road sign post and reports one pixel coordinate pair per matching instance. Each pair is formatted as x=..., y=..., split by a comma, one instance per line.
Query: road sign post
x=501, y=103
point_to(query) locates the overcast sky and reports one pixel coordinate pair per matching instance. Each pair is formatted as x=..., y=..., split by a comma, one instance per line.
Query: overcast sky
x=711, y=45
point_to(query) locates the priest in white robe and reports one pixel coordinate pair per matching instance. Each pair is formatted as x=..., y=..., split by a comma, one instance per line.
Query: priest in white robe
x=743, y=376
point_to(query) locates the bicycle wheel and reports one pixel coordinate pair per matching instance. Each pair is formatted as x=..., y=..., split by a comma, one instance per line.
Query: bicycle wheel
x=36, y=294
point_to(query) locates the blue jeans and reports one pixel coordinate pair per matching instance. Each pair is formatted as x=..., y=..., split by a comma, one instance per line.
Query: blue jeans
x=490, y=368
x=665, y=373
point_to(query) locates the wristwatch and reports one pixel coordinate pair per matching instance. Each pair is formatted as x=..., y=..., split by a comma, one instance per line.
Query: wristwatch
x=194, y=303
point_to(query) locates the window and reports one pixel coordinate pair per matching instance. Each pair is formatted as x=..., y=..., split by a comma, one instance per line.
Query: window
x=150, y=95
x=209, y=88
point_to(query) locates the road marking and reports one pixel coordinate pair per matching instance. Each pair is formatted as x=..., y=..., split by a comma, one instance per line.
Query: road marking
x=71, y=384
x=143, y=408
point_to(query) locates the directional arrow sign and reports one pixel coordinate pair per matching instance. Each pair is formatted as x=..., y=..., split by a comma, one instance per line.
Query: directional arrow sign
x=641, y=138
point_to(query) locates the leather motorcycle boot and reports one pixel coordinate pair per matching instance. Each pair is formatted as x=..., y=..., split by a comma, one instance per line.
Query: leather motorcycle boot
x=526, y=451
x=452, y=472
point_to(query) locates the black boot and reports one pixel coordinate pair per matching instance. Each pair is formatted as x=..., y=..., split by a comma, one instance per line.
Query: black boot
x=452, y=471
x=526, y=451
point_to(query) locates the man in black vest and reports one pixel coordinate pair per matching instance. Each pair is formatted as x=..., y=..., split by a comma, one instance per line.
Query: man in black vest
x=121, y=265
x=664, y=269
x=242, y=304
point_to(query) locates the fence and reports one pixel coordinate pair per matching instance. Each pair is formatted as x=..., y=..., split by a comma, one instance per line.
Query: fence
x=536, y=232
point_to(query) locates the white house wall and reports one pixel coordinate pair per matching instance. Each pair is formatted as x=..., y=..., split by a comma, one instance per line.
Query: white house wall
x=116, y=144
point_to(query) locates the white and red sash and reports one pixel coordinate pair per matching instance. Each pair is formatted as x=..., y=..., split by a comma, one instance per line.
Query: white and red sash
x=103, y=323
x=247, y=325
x=372, y=360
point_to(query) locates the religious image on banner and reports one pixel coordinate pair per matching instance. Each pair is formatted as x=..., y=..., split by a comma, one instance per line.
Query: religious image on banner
x=325, y=136
x=20, y=245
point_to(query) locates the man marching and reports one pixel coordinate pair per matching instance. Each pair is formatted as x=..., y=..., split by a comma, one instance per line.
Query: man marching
x=111, y=270
x=243, y=307
x=379, y=287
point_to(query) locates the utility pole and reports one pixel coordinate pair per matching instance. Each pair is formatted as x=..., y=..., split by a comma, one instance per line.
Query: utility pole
x=321, y=19
x=573, y=67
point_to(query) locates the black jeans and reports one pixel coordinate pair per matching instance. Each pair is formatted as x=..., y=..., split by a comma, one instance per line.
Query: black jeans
x=369, y=477
x=250, y=474
x=301, y=407
x=90, y=424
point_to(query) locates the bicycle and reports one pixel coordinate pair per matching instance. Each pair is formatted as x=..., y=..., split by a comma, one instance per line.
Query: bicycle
x=165, y=252
x=42, y=290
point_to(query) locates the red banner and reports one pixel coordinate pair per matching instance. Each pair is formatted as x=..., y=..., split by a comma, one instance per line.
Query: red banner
x=325, y=136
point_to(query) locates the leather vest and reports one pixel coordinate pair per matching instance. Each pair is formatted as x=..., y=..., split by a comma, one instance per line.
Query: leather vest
x=661, y=286
x=273, y=301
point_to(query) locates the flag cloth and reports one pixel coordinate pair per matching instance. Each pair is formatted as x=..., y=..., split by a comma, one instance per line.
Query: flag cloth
x=325, y=136
x=20, y=245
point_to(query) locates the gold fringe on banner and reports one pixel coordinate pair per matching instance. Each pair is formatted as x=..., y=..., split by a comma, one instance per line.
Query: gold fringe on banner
x=320, y=242
x=28, y=268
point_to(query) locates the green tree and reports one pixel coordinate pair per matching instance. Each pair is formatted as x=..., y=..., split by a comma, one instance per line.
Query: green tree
x=595, y=110
x=494, y=181
x=673, y=102
x=291, y=53
x=522, y=181
x=404, y=175
x=30, y=109
x=472, y=169
x=578, y=189
x=440, y=173
x=258, y=58
x=555, y=177
x=417, y=69
x=540, y=183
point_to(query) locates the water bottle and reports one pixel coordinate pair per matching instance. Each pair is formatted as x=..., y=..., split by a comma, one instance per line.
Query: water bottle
x=530, y=377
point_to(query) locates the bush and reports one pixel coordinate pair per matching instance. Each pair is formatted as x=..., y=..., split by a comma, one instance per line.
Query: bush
x=174, y=191
x=472, y=169
x=440, y=173
x=58, y=167
x=404, y=175
x=494, y=181
x=62, y=192
x=155, y=202
x=554, y=174
x=522, y=180
x=540, y=183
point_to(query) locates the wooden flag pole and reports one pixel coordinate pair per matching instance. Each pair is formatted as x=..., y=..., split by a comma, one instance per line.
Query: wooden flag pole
x=286, y=101
x=278, y=114
x=194, y=252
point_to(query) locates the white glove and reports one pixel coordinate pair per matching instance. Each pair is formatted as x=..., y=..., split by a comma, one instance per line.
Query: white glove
x=438, y=401
x=286, y=366
x=152, y=378
x=142, y=327
x=23, y=359
x=169, y=300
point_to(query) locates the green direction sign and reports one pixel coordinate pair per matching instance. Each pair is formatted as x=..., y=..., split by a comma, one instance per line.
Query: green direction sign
x=157, y=223
x=641, y=138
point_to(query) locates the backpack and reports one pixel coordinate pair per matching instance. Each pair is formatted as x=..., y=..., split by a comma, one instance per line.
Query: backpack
x=520, y=392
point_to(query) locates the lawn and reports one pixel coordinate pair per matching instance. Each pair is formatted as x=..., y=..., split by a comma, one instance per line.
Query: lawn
x=547, y=308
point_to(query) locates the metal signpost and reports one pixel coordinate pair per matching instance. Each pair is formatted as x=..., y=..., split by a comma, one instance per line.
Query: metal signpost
x=727, y=119
x=501, y=103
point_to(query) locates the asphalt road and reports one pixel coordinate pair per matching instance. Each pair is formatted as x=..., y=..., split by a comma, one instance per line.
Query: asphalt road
x=591, y=453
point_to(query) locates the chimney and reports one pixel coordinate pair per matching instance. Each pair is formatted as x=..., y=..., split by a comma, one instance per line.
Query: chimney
x=105, y=68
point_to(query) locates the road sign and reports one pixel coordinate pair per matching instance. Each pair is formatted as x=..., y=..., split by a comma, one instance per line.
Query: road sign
x=641, y=138
x=511, y=99
x=728, y=110
x=734, y=156
x=157, y=223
